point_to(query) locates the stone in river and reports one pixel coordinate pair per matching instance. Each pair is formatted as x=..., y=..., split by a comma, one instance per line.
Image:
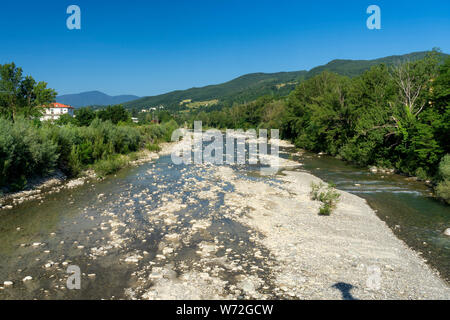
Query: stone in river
x=447, y=232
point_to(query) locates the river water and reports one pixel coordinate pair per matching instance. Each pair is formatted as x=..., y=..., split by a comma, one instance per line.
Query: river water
x=113, y=229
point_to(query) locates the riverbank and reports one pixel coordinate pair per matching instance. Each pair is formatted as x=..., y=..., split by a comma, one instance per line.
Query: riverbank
x=199, y=231
x=348, y=250
x=291, y=252
x=40, y=187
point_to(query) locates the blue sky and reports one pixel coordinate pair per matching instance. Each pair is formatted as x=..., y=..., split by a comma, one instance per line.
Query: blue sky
x=151, y=47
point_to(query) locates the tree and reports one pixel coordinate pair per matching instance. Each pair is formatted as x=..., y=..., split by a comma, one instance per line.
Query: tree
x=84, y=116
x=115, y=114
x=414, y=81
x=440, y=104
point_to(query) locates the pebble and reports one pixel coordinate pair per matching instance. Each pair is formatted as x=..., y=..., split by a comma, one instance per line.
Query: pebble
x=27, y=278
x=447, y=232
x=8, y=283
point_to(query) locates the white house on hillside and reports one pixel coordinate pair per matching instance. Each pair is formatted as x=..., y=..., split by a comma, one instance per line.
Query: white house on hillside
x=54, y=110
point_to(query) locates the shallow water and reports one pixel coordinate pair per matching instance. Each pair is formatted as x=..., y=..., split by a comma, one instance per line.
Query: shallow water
x=97, y=233
x=405, y=205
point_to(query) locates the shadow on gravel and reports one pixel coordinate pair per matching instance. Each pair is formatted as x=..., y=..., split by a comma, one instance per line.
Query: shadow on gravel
x=345, y=289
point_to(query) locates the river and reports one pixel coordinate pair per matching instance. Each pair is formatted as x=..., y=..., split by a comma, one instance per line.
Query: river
x=123, y=230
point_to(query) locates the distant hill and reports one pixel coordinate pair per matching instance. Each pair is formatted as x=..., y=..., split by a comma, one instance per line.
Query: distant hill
x=352, y=68
x=251, y=86
x=93, y=98
x=244, y=88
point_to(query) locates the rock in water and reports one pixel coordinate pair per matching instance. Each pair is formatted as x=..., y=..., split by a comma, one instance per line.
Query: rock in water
x=373, y=169
x=28, y=278
x=8, y=283
x=447, y=232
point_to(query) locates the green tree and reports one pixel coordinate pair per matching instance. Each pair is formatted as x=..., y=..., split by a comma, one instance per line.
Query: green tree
x=84, y=116
x=115, y=114
x=21, y=95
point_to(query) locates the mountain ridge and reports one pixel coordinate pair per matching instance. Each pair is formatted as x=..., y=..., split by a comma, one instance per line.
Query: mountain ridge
x=93, y=98
x=242, y=89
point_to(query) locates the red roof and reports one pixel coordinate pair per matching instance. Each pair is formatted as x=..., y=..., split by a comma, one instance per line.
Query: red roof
x=57, y=105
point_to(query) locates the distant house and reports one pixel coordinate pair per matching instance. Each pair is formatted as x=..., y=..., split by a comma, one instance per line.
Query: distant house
x=54, y=110
x=135, y=120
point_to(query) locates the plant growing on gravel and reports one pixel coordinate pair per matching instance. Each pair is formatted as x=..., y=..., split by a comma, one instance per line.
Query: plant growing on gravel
x=443, y=188
x=153, y=147
x=325, y=194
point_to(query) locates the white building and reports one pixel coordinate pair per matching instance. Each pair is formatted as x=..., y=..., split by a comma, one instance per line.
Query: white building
x=54, y=110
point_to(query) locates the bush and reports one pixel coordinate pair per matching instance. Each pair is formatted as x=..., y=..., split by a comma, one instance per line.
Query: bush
x=110, y=165
x=328, y=196
x=29, y=148
x=25, y=151
x=443, y=188
x=153, y=147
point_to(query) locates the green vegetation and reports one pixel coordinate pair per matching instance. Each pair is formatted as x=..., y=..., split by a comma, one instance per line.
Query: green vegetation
x=198, y=104
x=19, y=95
x=153, y=147
x=327, y=195
x=372, y=113
x=395, y=117
x=110, y=165
x=98, y=139
x=443, y=188
x=29, y=149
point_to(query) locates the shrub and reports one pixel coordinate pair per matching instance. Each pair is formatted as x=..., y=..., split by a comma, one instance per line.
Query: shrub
x=328, y=196
x=444, y=167
x=25, y=151
x=152, y=147
x=31, y=148
x=109, y=165
x=443, y=187
x=443, y=190
x=421, y=174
